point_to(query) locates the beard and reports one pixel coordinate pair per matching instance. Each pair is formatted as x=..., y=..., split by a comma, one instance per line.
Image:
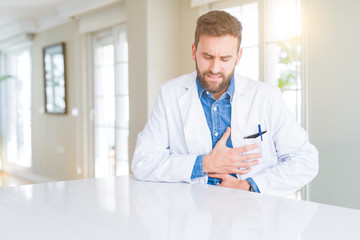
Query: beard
x=214, y=87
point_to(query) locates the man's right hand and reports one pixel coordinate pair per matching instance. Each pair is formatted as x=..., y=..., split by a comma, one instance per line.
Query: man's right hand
x=228, y=160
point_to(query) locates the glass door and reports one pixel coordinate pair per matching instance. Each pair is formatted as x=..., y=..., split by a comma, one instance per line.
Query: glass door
x=110, y=103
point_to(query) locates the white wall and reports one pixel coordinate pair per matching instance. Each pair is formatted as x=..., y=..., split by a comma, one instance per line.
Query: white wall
x=334, y=99
x=163, y=45
x=56, y=143
x=138, y=71
x=188, y=18
x=155, y=48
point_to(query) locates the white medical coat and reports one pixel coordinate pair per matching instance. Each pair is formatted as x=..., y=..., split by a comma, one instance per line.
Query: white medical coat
x=177, y=132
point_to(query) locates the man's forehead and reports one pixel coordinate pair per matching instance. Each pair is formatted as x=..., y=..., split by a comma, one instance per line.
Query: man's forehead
x=224, y=45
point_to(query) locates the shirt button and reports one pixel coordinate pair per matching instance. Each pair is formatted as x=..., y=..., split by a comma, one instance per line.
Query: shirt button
x=216, y=134
x=207, y=92
x=215, y=108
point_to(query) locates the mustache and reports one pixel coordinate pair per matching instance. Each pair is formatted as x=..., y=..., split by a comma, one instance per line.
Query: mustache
x=220, y=74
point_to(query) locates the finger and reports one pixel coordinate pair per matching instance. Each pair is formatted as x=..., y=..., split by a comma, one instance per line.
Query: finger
x=247, y=164
x=225, y=136
x=246, y=148
x=249, y=156
x=240, y=157
x=241, y=171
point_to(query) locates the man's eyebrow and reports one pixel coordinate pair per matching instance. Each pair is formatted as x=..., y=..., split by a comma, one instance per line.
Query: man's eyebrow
x=207, y=54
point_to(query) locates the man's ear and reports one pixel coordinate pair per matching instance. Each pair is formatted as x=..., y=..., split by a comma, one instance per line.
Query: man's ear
x=193, y=50
x=239, y=56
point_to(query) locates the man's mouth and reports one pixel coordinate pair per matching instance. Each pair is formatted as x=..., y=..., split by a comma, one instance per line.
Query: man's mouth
x=214, y=77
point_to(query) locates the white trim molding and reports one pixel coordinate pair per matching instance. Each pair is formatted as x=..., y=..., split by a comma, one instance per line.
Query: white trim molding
x=65, y=12
x=16, y=42
x=73, y=8
x=17, y=27
x=197, y=3
x=102, y=19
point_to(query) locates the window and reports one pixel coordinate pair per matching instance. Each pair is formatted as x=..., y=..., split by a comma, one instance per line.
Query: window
x=271, y=46
x=110, y=102
x=276, y=24
x=16, y=109
x=283, y=45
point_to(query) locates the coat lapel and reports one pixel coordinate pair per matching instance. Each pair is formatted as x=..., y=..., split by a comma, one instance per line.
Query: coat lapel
x=240, y=109
x=196, y=130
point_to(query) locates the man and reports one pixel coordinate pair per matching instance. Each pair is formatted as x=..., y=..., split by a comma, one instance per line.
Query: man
x=203, y=124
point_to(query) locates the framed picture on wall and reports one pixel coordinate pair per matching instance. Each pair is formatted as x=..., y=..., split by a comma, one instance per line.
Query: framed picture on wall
x=55, y=78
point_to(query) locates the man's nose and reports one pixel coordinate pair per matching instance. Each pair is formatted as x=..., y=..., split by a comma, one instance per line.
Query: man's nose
x=215, y=66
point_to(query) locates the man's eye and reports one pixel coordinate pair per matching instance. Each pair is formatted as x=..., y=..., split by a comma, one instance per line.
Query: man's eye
x=207, y=57
x=225, y=59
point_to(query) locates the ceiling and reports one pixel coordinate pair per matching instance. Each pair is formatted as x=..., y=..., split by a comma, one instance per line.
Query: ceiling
x=25, y=9
x=31, y=16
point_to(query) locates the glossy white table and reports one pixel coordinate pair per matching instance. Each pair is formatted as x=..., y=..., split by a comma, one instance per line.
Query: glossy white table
x=124, y=208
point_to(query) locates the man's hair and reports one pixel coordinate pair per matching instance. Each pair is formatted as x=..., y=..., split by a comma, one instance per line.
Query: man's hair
x=217, y=24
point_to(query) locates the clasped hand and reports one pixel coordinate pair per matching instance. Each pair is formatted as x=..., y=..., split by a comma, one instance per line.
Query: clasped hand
x=222, y=161
x=230, y=160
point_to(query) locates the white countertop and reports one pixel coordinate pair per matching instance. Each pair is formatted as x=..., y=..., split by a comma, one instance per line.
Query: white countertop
x=124, y=208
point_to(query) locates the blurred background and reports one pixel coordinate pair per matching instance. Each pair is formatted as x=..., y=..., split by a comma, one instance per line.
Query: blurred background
x=79, y=78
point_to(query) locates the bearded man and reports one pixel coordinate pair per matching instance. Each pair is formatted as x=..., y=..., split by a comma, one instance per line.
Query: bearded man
x=216, y=127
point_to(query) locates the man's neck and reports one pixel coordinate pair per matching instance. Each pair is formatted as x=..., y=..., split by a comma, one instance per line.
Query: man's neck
x=218, y=95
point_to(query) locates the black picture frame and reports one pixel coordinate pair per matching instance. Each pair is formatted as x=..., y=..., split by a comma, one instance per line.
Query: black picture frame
x=54, y=68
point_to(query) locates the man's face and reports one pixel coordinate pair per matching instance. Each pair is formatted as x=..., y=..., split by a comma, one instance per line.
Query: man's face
x=215, y=59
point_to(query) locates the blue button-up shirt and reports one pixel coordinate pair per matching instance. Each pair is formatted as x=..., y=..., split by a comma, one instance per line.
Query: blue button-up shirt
x=218, y=118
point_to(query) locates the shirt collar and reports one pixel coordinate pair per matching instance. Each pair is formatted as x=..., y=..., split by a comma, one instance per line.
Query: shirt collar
x=230, y=91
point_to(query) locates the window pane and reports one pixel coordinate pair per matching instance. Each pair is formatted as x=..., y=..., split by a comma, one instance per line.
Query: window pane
x=122, y=165
x=284, y=65
x=105, y=111
x=122, y=47
x=104, y=151
x=104, y=53
x=123, y=113
x=250, y=23
x=122, y=79
x=284, y=20
x=292, y=99
x=249, y=63
x=104, y=81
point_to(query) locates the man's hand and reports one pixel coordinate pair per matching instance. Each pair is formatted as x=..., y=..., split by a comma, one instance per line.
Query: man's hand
x=231, y=182
x=228, y=160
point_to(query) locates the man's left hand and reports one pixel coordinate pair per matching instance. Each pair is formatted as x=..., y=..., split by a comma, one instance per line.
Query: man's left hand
x=230, y=181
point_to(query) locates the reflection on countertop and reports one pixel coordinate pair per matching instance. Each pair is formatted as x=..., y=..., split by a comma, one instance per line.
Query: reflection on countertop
x=9, y=180
x=124, y=208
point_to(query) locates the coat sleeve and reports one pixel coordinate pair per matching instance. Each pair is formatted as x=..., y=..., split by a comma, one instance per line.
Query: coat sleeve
x=297, y=157
x=152, y=159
